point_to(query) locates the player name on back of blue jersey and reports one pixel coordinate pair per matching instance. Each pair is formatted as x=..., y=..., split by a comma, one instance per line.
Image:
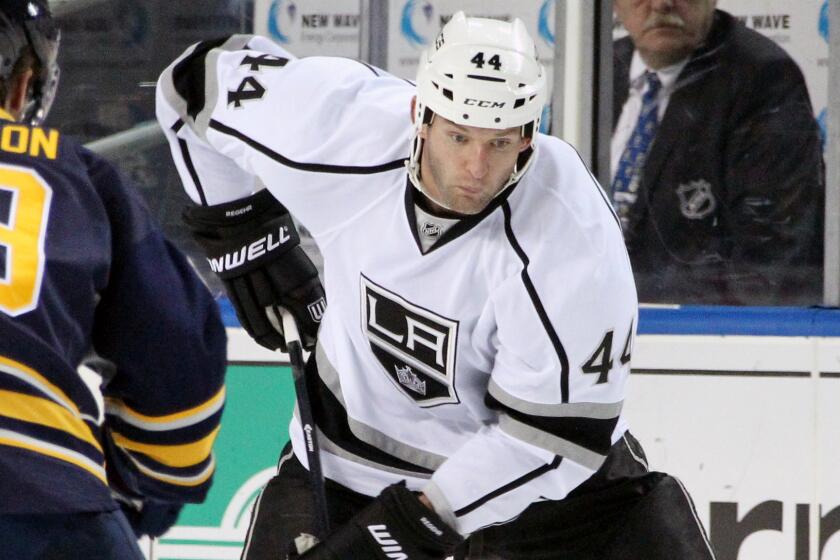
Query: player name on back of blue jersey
x=33, y=141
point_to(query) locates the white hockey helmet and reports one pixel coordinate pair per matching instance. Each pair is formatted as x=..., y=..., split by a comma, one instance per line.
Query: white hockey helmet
x=484, y=73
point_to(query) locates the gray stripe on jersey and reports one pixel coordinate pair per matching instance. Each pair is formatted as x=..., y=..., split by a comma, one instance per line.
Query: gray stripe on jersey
x=37, y=384
x=598, y=411
x=328, y=446
x=440, y=504
x=549, y=442
x=395, y=448
x=211, y=90
x=328, y=374
x=368, y=434
x=57, y=451
x=191, y=480
x=166, y=84
x=119, y=410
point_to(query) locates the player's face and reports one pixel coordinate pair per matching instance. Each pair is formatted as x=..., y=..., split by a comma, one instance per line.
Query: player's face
x=665, y=31
x=464, y=167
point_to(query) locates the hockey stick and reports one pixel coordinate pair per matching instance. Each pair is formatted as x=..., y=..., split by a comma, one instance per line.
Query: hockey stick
x=319, y=497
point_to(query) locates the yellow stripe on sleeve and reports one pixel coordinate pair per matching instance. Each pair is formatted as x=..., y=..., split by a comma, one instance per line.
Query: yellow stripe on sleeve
x=189, y=481
x=45, y=412
x=170, y=421
x=32, y=377
x=54, y=451
x=182, y=455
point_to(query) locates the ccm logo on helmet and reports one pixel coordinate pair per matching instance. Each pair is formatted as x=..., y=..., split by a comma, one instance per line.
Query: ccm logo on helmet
x=250, y=252
x=483, y=103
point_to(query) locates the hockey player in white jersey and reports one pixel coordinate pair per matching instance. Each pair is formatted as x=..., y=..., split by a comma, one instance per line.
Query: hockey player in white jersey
x=470, y=368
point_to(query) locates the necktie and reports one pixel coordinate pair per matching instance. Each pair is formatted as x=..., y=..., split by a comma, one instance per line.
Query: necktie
x=626, y=181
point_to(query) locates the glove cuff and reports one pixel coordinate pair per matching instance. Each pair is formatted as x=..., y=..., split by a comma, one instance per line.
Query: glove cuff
x=429, y=527
x=241, y=236
x=259, y=206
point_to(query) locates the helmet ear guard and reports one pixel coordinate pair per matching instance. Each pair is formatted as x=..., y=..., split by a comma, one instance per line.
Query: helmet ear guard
x=29, y=24
x=482, y=73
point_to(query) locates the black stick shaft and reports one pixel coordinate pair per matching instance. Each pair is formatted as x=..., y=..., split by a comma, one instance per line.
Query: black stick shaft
x=319, y=496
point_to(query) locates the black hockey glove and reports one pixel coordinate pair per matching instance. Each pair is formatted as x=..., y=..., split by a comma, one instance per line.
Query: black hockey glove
x=395, y=525
x=253, y=246
x=148, y=517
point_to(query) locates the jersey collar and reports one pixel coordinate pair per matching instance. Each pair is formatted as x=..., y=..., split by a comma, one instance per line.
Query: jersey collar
x=464, y=224
x=6, y=116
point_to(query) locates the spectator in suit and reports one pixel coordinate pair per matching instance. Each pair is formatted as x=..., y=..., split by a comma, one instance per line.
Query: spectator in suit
x=717, y=168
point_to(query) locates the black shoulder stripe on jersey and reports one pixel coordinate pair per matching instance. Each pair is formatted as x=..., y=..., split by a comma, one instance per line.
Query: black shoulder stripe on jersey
x=376, y=71
x=185, y=154
x=312, y=167
x=521, y=481
x=368, y=66
x=591, y=433
x=331, y=418
x=188, y=75
x=598, y=188
x=535, y=299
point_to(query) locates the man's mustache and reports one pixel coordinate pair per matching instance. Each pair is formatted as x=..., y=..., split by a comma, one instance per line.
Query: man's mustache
x=664, y=20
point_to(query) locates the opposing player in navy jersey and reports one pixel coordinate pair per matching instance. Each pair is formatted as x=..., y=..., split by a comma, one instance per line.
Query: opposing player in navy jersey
x=470, y=368
x=84, y=272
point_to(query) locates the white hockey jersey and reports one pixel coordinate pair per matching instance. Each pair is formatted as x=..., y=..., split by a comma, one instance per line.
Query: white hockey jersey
x=487, y=371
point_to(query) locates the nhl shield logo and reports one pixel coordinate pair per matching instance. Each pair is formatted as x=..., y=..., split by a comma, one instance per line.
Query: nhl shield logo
x=696, y=199
x=316, y=309
x=415, y=347
x=430, y=230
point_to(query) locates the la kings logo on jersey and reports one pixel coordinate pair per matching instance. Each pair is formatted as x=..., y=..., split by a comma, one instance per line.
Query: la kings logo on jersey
x=415, y=346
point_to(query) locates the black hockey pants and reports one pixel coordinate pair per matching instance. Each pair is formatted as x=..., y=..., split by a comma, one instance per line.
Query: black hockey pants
x=624, y=512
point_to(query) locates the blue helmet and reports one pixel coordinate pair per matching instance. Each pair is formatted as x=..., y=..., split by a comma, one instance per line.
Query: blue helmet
x=28, y=23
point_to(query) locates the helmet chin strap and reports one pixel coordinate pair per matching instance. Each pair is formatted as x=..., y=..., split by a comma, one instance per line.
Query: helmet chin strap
x=413, y=168
x=424, y=117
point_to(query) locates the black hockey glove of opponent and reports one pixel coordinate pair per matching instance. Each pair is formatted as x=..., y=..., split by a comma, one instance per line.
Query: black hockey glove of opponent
x=253, y=246
x=147, y=516
x=395, y=525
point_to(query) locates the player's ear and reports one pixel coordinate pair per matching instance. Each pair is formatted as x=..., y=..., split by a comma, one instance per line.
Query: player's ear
x=18, y=92
x=524, y=143
x=413, y=107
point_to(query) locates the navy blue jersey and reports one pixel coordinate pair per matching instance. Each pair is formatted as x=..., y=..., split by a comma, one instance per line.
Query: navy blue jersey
x=84, y=270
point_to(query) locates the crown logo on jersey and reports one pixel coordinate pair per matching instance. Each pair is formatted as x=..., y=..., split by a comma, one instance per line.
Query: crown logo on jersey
x=430, y=230
x=410, y=379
